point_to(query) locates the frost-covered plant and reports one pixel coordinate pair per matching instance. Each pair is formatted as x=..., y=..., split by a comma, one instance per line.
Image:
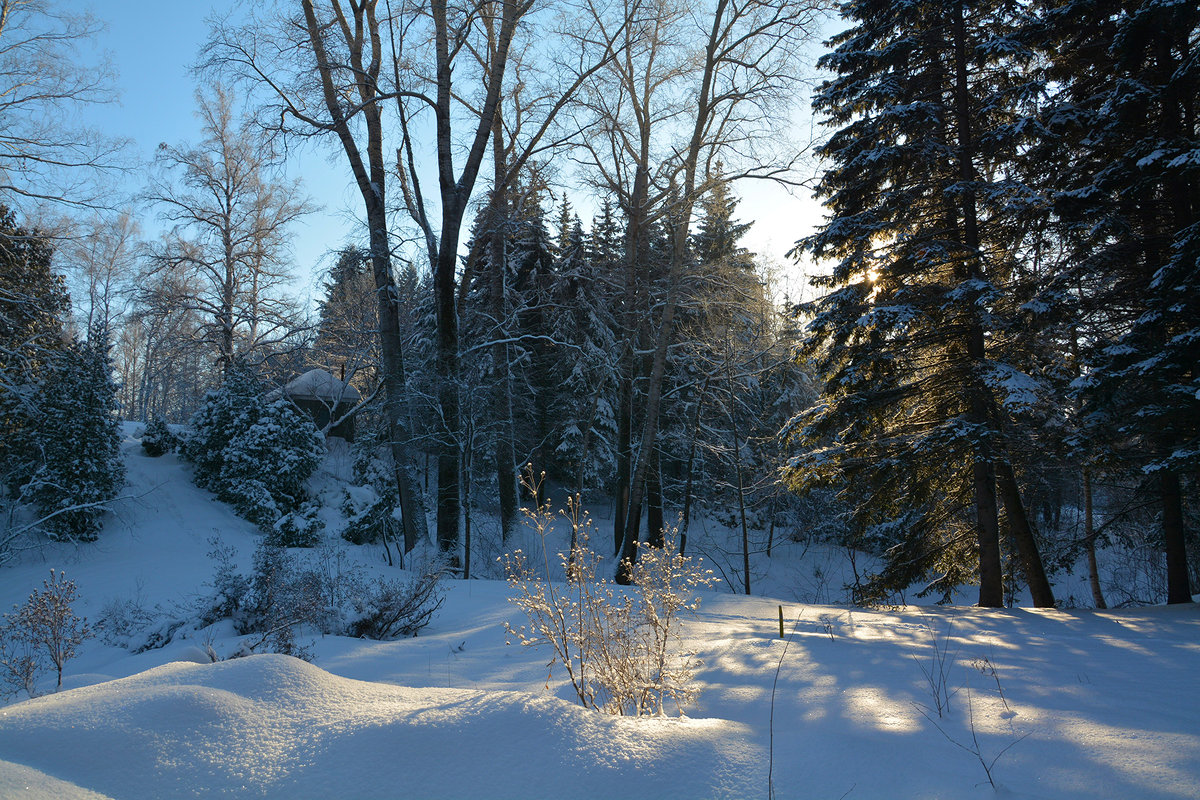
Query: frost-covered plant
x=229, y=587
x=367, y=521
x=225, y=414
x=78, y=441
x=45, y=627
x=158, y=439
x=621, y=650
x=391, y=609
x=21, y=662
x=279, y=450
x=124, y=620
x=299, y=528
x=255, y=455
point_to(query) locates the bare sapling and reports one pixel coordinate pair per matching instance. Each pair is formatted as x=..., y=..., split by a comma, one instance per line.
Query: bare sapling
x=621, y=650
x=44, y=629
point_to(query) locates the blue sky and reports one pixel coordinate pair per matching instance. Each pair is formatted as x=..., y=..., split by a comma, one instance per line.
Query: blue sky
x=153, y=45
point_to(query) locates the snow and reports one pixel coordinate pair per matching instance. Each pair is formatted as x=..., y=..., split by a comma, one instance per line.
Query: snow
x=1089, y=703
x=320, y=384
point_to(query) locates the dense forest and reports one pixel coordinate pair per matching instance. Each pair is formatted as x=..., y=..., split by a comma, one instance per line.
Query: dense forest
x=996, y=383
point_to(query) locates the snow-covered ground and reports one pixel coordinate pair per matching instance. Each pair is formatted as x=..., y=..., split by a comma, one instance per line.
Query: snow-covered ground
x=1058, y=704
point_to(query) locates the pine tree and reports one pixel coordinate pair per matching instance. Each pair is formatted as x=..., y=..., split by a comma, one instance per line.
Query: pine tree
x=929, y=98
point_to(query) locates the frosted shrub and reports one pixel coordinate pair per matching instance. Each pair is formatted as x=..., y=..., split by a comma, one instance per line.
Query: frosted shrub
x=299, y=528
x=124, y=622
x=158, y=439
x=44, y=631
x=621, y=650
x=255, y=455
x=391, y=609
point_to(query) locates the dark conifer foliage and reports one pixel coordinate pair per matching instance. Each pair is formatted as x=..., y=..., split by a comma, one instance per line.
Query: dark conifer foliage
x=78, y=441
x=927, y=101
x=1122, y=186
x=347, y=342
x=33, y=308
x=59, y=433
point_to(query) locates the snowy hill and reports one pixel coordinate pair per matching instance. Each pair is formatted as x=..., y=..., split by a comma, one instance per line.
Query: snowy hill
x=1056, y=704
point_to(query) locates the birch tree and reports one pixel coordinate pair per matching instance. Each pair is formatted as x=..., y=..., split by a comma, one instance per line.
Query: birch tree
x=230, y=209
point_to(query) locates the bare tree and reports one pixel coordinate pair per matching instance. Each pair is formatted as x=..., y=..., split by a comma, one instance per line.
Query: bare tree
x=45, y=155
x=671, y=110
x=447, y=50
x=164, y=363
x=101, y=259
x=321, y=69
x=231, y=210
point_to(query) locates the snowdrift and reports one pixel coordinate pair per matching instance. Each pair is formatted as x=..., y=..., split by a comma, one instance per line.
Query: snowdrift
x=275, y=726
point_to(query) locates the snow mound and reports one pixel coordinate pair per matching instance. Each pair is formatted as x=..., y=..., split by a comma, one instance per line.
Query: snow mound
x=275, y=726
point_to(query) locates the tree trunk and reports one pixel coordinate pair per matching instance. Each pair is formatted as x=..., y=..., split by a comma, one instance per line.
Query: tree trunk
x=1179, y=588
x=370, y=178
x=466, y=494
x=1022, y=532
x=624, y=451
x=1089, y=541
x=691, y=468
x=655, y=527
x=505, y=459
x=991, y=573
x=737, y=468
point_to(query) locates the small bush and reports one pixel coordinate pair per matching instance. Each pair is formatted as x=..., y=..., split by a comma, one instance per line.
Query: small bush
x=124, y=621
x=620, y=651
x=158, y=439
x=393, y=609
x=370, y=524
x=44, y=630
x=287, y=591
x=300, y=528
x=229, y=587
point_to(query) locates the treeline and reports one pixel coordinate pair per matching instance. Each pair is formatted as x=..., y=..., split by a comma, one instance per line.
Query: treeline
x=1001, y=377
x=544, y=359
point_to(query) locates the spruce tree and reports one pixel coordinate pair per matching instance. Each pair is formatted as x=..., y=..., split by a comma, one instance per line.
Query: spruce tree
x=78, y=436
x=1123, y=182
x=583, y=375
x=347, y=343
x=33, y=307
x=927, y=101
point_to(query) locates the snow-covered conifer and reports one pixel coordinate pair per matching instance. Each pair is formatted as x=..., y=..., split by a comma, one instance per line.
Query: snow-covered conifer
x=78, y=439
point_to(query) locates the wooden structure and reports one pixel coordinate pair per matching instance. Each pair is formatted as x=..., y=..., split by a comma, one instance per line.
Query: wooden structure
x=325, y=399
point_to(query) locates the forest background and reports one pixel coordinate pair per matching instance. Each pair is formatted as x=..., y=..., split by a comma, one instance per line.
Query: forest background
x=999, y=378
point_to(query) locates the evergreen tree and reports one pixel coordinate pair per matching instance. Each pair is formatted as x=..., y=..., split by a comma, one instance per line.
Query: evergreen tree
x=1118, y=166
x=582, y=373
x=347, y=343
x=253, y=452
x=928, y=98
x=79, y=441
x=227, y=413
x=33, y=306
